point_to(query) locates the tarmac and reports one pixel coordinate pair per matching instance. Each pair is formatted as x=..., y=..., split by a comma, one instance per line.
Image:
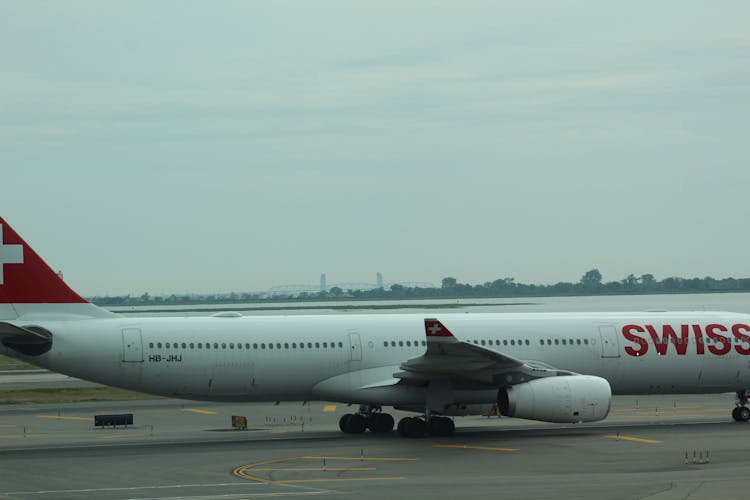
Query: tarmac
x=654, y=447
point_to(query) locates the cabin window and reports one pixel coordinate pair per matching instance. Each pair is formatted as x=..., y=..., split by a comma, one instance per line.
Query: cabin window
x=401, y=343
x=223, y=345
x=563, y=342
x=278, y=345
x=270, y=345
x=341, y=344
x=286, y=345
x=424, y=343
x=578, y=341
x=408, y=343
x=325, y=345
x=263, y=346
x=317, y=345
x=192, y=346
x=586, y=341
x=557, y=342
x=294, y=345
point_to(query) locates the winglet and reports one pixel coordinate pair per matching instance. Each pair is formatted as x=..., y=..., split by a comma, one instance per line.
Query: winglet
x=434, y=328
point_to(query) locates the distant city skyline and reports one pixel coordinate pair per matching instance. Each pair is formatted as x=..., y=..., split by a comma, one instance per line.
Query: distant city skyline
x=194, y=146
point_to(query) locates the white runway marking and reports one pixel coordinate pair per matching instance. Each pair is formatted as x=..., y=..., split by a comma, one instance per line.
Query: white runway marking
x=308, y=491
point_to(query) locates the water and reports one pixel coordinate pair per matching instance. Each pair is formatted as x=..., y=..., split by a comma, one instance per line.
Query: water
x=731, y=302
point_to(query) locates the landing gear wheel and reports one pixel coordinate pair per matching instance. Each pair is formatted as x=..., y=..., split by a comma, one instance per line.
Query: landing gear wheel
x=356, y=424
x=352, y=423
x=743, y=412
x=380, y=422
x=343, y=422
x=402, y=426
x=415, y=428
x=441, y=426
x=736, y=413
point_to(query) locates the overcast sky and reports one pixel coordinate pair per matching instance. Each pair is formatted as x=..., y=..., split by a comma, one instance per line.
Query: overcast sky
x=217, y=146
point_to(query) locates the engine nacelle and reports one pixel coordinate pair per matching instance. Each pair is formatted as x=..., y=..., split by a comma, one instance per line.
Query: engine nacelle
x=563, y=399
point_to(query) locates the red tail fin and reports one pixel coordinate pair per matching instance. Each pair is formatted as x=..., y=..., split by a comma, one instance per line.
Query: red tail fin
x=25, y=278
x=434, y=328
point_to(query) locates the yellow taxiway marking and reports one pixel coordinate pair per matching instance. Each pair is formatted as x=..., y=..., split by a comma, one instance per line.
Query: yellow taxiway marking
x=669, y=415
x=57, y=417
x=198, y=410
x=317, y=468
x=8, y=425
x=243, y=470
x=121, y=436
x=278, y=432
x=635, y=439
x=362, y=459
x=651, y=409
x=472, y=447
x=329, y=408
x=339, y=479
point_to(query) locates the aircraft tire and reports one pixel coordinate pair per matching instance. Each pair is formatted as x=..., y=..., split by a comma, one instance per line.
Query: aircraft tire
x=415, y=428
x=744, y=413
x=344, y=422
x=441, y=426
x=402, y=426
x=381, y=422
x=736, y=413
x=356, y=424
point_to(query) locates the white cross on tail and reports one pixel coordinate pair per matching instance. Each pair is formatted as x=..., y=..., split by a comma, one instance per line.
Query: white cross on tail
x=9, y=254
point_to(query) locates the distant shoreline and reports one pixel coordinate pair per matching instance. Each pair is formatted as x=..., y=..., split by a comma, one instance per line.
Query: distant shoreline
x=335, y=307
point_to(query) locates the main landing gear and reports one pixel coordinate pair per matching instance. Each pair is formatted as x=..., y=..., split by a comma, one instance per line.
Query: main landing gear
x=375, y=420
x=416, y=427
x=370, y=418
x=741, y=413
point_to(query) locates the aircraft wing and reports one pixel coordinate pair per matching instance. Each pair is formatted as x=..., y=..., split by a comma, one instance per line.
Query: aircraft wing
x=449, y=357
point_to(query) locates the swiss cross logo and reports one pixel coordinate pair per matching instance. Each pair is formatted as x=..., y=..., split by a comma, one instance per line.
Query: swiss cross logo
x=434, y=328
x=9, y=254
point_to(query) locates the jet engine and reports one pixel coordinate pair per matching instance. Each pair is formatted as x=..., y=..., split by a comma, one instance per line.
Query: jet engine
x=562, y=399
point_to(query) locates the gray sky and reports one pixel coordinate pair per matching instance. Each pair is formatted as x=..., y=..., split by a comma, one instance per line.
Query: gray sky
x=215, y=146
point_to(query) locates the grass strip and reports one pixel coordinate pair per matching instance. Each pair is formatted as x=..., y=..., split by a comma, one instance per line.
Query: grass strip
x=71, y=395
x=7, y=363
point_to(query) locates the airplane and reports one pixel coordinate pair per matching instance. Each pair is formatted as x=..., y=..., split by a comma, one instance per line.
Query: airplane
x=551, y=367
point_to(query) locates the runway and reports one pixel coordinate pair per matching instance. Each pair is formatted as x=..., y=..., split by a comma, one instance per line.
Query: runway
x=649, y=447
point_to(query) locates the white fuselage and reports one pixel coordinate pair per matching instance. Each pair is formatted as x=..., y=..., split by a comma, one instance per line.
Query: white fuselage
x=353, y=358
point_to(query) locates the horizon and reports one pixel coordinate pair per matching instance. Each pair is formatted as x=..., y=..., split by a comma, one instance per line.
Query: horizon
x=245, y=145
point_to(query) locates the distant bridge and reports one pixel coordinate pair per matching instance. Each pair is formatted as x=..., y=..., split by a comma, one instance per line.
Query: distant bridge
x=310, y=288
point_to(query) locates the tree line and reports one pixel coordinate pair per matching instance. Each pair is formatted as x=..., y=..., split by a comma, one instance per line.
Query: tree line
x=590, y=284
